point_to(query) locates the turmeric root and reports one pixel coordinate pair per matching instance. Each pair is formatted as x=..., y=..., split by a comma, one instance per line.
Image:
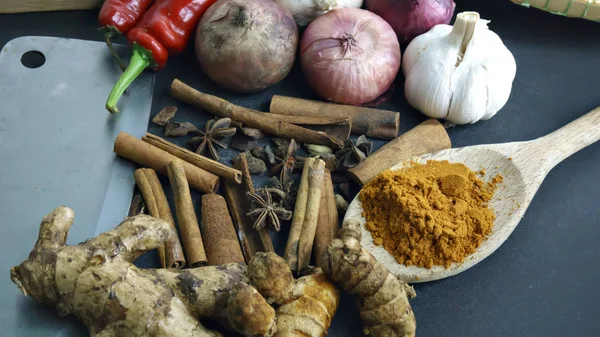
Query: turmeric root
x=96, y=281
x=306, y=306
x=271, y=276
x=382, y=298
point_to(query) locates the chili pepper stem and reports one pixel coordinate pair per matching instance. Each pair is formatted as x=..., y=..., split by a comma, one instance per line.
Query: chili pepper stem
x=140, y=60
x=109, y=33
x=108, y=38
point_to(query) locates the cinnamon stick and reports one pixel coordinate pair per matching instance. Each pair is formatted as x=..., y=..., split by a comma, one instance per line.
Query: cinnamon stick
x=193, y=158
x=151, y=156
x=291, y=248
x=336, y=127
x=186, y=216
x=306, y=212
x=312, y=120
x=251, y=240
x=249, y=117
x=429, y=136
x=328, y=221
x=365, y=121
x=313, y=203
x=218, y=234
x=171, y=254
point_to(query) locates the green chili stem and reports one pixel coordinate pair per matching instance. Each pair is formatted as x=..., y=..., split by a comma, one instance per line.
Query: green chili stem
x=140, y=60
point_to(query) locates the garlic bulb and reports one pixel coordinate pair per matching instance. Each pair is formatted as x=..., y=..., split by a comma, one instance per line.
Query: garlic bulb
x=305, y=11
x=461, y=73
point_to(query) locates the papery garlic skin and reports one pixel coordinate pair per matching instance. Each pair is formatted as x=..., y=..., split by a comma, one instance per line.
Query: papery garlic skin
x=305, y=11
x=461, y=73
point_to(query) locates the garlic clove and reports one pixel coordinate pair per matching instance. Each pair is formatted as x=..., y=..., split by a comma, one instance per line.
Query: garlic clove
x=468, y=89
x=432, y=98
x=502, y=85
x=426, y=61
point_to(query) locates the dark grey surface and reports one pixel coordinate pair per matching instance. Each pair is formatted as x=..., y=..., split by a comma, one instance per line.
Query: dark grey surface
x=544, y=280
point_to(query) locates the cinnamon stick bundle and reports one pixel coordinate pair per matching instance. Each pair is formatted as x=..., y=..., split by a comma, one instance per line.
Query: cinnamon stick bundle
x=249, y=117
x=365, y=121
x=429, y=136
x=193, y=158
x=306, y=212
x=218, y=234
x=171, y=254
x=291, y=248
x=186, y=216
x=151, y=156
x=313, y=203
x=251, y=240
x=328, y=221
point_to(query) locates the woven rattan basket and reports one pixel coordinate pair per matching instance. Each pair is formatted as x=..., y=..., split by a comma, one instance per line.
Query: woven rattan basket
x=587, y=9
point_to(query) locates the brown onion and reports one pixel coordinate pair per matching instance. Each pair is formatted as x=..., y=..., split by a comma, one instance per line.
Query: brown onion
x=246, y=46
x=350, y=56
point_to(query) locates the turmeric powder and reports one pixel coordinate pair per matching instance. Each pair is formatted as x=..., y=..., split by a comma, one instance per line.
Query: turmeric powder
x=429, y=214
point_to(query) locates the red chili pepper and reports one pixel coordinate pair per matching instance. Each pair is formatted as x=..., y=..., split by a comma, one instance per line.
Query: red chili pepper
x=164, y=29
x=118, y=17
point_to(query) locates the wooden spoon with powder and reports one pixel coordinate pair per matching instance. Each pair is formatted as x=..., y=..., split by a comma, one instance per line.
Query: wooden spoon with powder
x=524, y=166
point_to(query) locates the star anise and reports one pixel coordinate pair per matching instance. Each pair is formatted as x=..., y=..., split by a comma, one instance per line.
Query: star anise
x=266, y=211
x=288, y=197
x=216, y=132
x=285, y=160
x=284, y=169
x=352, y=155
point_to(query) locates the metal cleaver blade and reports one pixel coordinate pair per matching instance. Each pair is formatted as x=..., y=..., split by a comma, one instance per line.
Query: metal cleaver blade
x=56, y=148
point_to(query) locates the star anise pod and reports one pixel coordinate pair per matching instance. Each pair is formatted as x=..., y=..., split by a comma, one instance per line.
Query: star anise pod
x=288, y=197
x=284, y=169
x=216, y=132
x=266, y=211
x=285, y=161
x=352, y=155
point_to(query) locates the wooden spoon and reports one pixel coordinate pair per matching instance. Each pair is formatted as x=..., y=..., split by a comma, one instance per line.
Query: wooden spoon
x=524, y=165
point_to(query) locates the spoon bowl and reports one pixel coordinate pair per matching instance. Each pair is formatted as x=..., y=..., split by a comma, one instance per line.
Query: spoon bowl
x=523, y=166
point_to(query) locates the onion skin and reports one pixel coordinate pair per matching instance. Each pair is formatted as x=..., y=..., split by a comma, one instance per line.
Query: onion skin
x=411, y=18
x=246, y=46
x=350, y=56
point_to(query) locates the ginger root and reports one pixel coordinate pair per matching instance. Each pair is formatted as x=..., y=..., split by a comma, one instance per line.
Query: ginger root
x=96, y=281
x=306, y=306
x=382, y=298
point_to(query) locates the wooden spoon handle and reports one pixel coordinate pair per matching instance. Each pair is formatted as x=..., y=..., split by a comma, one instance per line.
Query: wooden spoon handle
x=569, y=139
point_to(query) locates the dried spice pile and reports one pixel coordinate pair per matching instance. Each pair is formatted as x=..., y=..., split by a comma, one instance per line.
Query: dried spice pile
x=429, y=214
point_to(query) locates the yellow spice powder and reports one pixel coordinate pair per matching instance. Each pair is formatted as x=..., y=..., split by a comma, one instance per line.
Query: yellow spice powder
x=429, y=214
